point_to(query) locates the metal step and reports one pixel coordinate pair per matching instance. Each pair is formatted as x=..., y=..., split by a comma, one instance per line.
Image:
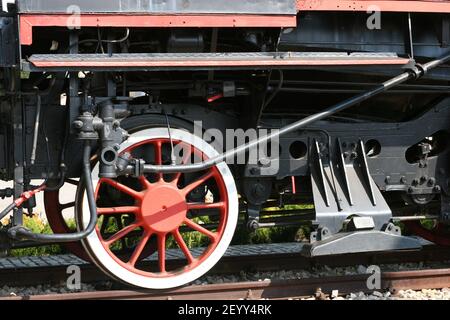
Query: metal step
x=196, y=61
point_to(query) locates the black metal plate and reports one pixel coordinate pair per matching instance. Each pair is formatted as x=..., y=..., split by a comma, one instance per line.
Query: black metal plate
x=160, y=6
x=7, y=42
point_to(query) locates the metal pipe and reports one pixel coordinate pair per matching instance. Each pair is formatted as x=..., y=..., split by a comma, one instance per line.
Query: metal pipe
x=334, y=91
x=7, y=210
x=414, y=218
x=36, y=130
x=25, y=234
x=427, y=87
x=410, y=74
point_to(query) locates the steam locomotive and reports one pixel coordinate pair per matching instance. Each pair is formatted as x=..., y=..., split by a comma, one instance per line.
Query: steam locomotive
x=177, y=119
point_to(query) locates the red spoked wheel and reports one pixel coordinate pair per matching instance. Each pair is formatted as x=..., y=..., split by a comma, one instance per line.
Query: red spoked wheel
x=437, y=233
x=174, y=210
x=58, y=223
x=55, y=217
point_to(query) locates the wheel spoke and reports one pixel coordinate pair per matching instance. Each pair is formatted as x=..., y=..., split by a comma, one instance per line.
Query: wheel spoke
x=72, y=181
x=162, y=252
x=189, y=188
x=118, y=210
x=139, y=248
x=144, y=182
x=121, y=187
x=158, y=157
x=67, y=205
x=122, y=233
x=199, y=206
x=185, y=159
x=191, y=224
x=183, y=246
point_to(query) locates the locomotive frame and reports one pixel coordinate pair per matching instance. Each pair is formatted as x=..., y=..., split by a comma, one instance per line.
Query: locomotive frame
x=367, y=144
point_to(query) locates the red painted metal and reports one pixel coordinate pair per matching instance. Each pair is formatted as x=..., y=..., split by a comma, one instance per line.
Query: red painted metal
x=29, y=21
x=216, y=63
x=161, y=209
x=294, y=186
x=215, y=97
x=436, y=6
x=54, y=213
x=27, y=195
x=440, y=234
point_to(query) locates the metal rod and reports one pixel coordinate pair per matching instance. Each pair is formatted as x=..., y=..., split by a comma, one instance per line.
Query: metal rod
x=334, y=91
x=36, y=130
x=410, y=37
x=414, y=218
x=409, y=74
x=361, y=84
x=25, y=234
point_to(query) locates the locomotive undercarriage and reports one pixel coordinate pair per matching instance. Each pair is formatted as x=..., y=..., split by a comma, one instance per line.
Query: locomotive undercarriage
x=367, y=156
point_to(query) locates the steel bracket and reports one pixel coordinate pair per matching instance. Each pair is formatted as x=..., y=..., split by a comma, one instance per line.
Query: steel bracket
x=343, y=186
x=361, y=241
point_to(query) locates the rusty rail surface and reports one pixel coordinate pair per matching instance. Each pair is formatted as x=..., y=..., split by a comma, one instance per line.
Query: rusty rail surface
x=393, y=281
x=234, y=265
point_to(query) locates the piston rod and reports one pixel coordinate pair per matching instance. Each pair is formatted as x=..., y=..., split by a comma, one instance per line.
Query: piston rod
x=413, y=73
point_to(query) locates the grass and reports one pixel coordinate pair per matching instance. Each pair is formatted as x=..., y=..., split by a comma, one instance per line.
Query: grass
x=36, y=225
x=192, y=239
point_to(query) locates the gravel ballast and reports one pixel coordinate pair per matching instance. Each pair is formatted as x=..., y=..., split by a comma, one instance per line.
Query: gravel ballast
x=317, y=272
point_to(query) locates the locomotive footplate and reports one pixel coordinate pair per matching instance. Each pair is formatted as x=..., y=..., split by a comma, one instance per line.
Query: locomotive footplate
x=200, y=61
x=161, y=7
x=351, y=214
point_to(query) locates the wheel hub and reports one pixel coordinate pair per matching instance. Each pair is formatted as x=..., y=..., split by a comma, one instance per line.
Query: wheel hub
x=163, y=208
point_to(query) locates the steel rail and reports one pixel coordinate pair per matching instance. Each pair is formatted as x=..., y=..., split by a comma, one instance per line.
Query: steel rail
x=413, y=73
x=15, y=276
x=282, y=289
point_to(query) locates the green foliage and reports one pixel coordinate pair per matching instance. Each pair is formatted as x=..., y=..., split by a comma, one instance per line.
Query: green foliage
x=192, y=239
x=270, y=235
x=428, y=223
x=36, y=225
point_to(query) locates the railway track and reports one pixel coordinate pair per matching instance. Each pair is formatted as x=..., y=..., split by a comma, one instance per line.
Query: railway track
x=393, y=281
x=29, y=271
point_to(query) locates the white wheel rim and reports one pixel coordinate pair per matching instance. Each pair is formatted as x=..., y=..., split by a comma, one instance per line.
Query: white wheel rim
x=103, y=259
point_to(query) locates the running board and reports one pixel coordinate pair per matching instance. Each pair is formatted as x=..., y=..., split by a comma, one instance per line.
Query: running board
x=198, y=61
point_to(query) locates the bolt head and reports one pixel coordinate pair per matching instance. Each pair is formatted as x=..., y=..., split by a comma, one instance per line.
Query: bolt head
x=78, y=124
